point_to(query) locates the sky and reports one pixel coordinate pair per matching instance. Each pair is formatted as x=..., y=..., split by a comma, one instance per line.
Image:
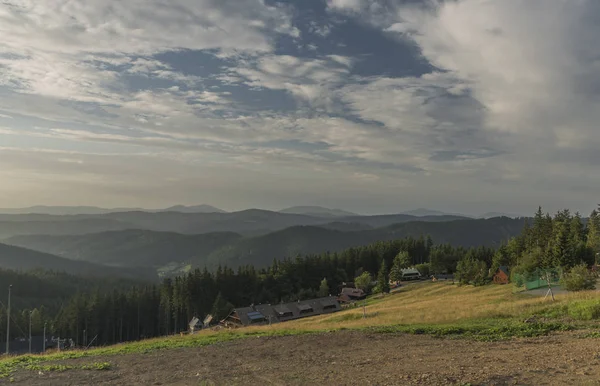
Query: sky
x=372, y=106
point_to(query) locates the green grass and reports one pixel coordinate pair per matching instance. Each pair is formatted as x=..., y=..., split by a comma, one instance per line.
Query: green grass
x=483, y=330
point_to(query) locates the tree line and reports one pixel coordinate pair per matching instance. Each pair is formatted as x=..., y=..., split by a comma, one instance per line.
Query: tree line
x=560, y=242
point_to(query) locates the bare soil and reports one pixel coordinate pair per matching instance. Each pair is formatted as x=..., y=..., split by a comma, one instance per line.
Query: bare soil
x=348, y=358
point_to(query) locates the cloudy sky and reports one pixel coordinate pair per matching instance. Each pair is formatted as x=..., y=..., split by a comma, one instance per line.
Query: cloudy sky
x=368, y=105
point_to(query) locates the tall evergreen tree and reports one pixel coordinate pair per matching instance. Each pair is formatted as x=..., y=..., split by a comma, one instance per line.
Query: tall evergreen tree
x=383, y=282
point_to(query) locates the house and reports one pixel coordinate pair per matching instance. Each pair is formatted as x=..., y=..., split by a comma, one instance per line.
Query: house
x=267, y=314
x=501, y=275
x=410, y=274
x=353, y=293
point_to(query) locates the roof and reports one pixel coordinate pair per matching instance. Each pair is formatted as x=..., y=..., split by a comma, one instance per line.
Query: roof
x=410, y=270
x=263, y=313
x=504, y=269
x=353, y=291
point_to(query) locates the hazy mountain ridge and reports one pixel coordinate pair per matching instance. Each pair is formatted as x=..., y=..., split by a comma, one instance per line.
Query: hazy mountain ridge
x=22, y=259
x=260, y=251
x=250, y=222
x=317, y=211
x=94, y=210
x=137, y=247
x=130, y=247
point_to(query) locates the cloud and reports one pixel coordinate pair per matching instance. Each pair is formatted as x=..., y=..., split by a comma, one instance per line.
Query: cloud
x=48, y=45
x=393, y=99
x=309, y=80
x=346, y=5
x=139, y=26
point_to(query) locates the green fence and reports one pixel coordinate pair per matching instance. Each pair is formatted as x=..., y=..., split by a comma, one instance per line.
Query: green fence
x=536, y=279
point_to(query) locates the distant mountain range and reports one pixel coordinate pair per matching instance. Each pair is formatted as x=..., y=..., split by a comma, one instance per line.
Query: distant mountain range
x=92, y=210
x=317, y=211
x=313, y=211
x=251, y=222
x=130, y=248
x=429, y=212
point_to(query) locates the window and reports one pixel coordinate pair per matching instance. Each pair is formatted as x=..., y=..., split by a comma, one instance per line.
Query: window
x=284, y=312
x=256, y=317
x=305, y=309
x=329, y=307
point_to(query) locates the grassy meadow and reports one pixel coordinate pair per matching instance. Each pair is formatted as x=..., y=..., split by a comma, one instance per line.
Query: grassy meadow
x=442, y=309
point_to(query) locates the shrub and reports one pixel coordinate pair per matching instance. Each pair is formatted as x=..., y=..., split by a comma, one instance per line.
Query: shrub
x=586, y=310
x=579, y=278
x=423, y=269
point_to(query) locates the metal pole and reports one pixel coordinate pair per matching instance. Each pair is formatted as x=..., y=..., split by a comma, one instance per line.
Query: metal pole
x=44, y=347
x=30, y=314
x=8, y=322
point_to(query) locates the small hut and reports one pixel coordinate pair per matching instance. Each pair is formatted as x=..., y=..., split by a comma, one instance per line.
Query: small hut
x=501, y=275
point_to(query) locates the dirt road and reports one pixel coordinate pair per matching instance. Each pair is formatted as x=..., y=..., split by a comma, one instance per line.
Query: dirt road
x=349, y=358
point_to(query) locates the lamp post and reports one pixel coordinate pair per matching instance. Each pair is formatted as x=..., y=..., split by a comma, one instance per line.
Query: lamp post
x=8, y=322
x=44, y=347
x=30, y=314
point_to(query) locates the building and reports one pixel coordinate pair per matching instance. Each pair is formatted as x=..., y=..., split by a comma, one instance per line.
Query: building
x=410, y=274
x=501, y=276
x=267, y=314
x=352, y=294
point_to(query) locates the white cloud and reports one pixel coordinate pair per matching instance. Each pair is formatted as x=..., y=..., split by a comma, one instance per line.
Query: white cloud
x=351, y=5
x=307, y=79
x=47, y=45
x=138, y=26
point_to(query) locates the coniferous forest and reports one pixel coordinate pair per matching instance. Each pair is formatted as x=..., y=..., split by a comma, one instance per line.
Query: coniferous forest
x=120, y=310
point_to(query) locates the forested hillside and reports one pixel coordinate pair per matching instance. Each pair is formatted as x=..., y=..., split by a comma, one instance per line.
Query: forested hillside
x=137, y=247
x=46, y=293
x=260, y=251
x=129, y=247
x=16, y=258
x=148, y=310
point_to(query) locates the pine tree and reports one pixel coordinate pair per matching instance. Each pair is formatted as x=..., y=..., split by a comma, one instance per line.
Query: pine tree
x=593, y=232
x=383, y=284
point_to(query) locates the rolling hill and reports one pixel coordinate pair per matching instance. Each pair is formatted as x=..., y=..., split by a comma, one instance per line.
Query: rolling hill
x=21, y=259
x=129, y=247
x=260, y=251
x=153, y=249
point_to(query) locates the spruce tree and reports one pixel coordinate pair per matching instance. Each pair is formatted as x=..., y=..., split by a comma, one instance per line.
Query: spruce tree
x=383, y=284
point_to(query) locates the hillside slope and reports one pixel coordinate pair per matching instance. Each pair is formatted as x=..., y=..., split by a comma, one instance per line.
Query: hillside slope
x=260, y=251
x=129, y=247
x=154, y=249
x=21, y=259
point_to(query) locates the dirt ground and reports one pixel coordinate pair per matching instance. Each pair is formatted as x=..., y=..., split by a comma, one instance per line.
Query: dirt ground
x=349, y=358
